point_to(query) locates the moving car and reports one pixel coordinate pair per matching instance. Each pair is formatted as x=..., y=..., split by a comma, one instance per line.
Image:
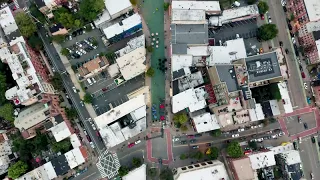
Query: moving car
x=195, y=147
x=193, y=140
x=235, y=135
x=262, y=16
x=81, y=102
x=92, y=145
x=74, y=89
x=311, y=176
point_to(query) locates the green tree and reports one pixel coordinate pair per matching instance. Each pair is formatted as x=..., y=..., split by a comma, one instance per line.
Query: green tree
x=63, y=16
x=136, y=162
x=152, y=172
x=56, y=81
x=26, y=25
x=266, y=122
x=272, y=120
x=292, y=17
x=166, y=6
x=183, y=156
x=183, y=127
x=263, y=7
x=59, y=38
x=253, y=145
x=90, y=9
x=123, y=170
x=36, y=13
x=180, y=118
x=149, y=48
x=214, y=153
x=62, y=146
x=3, y=88
x=133, y=2
x=150, y=72
x=6, y=112
x=40, y=142
x=250, y=2
x=71, y=113
x=35, y=42
x=22, y=147
x=87, y=98
x=216, y=133
x=65, y=52
x=234, y=150
x=267, y=32
x=17, y=169
x=166, y=174
x=198, y=155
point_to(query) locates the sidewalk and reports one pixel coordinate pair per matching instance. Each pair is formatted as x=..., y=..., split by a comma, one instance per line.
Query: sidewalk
x=74, y=79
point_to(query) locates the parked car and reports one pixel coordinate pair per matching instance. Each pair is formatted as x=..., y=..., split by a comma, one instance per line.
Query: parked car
x=208, y=144
x=81, y=102
x=281, y=43
x=104, y=89
x=262, y=16
x=78, y=44
x=287, y=51
x=131, y=145
x=311, y=176
x=299, y=119
x=293, y=40
x=303, y=75
x=92, y=145
x=235, y=135
x=195, y=147
x=74, y=89
x=192, y=140
x=137, y=142
x=305, y=125
x=313, y=140
x=88, y=137
x=198, y=135
x=175, y=139
x=183, y=142
x=241, y=130
x=190, y=136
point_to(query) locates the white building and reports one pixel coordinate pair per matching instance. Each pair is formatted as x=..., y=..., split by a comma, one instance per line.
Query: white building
x=139, y=173
x=117, y=7
x=191, y=98
x=180, y=61
x=287, y=105
x=205, y=122
x=291, y=157
x=7, y=21
x=75, y=142
x=211, y=7
x=44, y=172
x=74, y=158
x=262, y=159
x=203, y=171
x=183, y=16
x=60, y=131
x=282, y=148
x=5, y=151
x=313, y=8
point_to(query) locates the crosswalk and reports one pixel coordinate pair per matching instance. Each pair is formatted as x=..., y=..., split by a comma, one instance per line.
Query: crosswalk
x=108, y=164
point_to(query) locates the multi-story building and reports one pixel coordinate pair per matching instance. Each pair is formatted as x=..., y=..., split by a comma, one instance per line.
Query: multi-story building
x=6, y=155
x=46, y=6
x=290, y=164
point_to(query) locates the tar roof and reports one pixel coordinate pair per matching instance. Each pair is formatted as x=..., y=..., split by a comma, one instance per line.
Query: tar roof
x=189, y=33
x=263, y=67
x=179, y=48
x=227, y=75
x=60, y=165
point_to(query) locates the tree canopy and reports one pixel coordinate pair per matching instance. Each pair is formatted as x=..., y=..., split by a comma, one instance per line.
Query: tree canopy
x=150, y=72
x=62, y=146
x=197, y=155
x=3, y=88
x=36, y=13
x=71, y=113
x=35, y=42
x=263, y=7
x=215, y=133
x=87, y=98
x=6, y=112
x=56, y=81
x=267, y=32
x=26, y=25
x=65, y=52
x=214, y=153
x=89, y=9
x=250, y=2
x=17, y=169
x=133, y=2
x=180, y=118
x=166, y=6
x=183, y=156
x=166, y=174
x=152, y=172
x=123, y=170
x=253, y=145
x=58, y=38
x=234, y=150
x=66, y=18
x=136, y=162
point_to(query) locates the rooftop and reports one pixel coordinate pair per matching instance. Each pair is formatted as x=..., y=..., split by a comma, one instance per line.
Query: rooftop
x=120, y=111
x=139, y=173
x=231, y=50
x=74, y=158
x=287, y=105
x=211, y=6
x=122, y=26
x=75, y=141
x=291, y=157
x=7, y=21
x=180, y=61
x=117, y=6
x=44, y=172
x=132, y=45
x=190, y=81
x=60, y=165
x=60, y=131
x=189, y=33
x=227, y=74
x=182, y=16
x=313, y=9
x=262, y=159
x=133, y=63
x=263, y=67
x=282, y=148
x=205, y=122
x=242, y=168
x=187, y=99
x=93, y=66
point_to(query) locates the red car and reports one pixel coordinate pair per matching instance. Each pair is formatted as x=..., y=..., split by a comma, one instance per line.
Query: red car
x=303, y=75
x=262, y=16
x=131, y=145
x=89, y=139
x=104, y=89
x=190, y=136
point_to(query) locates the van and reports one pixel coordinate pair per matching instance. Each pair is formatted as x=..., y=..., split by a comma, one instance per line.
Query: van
x=89, y=81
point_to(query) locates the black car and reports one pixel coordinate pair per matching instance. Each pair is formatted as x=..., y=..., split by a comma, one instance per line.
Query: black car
x=287, y=51
x=192, y=140
x=281, y=43
x=313, y=140
x=198, y=135
x=285, y=9
x=305, y=125
x=160, y=161
x=208, y=144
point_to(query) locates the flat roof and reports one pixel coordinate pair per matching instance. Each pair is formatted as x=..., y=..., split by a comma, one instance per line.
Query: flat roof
x=318, y=46
x=282, y=148
x=227, y=74
x=180, y=16
x=263, y=67
x=313, y=9
x=274, y=107
x=7, y=21
x=262, y=159
x=139, y=173
x=189, y=33
x=119, y=111
x=60, y=131
x=231, y=50
x=179, y=48
x=201, y=50
x=50, y=170
x=183, y=100
x=60, y=165
x=287, y=105
x=180, y=61
x=75, y=141
x=291, y=157
x=197, y=5
x=74, y=158
x=243, y=169
x=132, y=45
x=206, y=122
x=102, y=19
x=122, y=26
x=116, y=6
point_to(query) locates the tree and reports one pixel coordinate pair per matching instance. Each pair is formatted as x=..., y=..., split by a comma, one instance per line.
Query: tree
x=22, y=147
x=17, y=169
x=263, y=7
x=87, y=98
x=3, y=88
x=272, y=120
x=183, y=127
x=292, y=17
x=62, y=146
x=152, y=172
x=183, y=156
x=133, y=2
x=234, y=150
x=40, y=142
x=180, y=118
x=266, y=122
x=250, y=2
x=136, y=162
x=56, y=81
x=150, y=72
x=6, y=112
x=267, y=32
x=166, y=6
x=123, y=170
x=149, y=48
x=35, y=42
x=198, y=155
x=26, y=25
x=90, y=9
x=71, y=113
x=65, y=52
x=215, y=133
x=58, y=38
x=63, y=16
x=166, y=174
x=214, y=153
x=36, y=13
x=253, y=145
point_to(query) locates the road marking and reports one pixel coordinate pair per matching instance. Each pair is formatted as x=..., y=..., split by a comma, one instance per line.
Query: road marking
x=89, y=175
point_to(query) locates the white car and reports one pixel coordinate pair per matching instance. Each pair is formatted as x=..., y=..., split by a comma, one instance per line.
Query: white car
x=79, y=53
x=81, y=102
x=93, y=127
x=269, y=20
x=74, y=89
x=281, y=134
x=92, y=26
x=235, y=135
x=241, y=129
x=83, y=51
x=94, y=47
x=94, y=80
x=175, y=139
x=137, y=142
x=92, y=145
x=305, y=85
x=283, y=2
x=293, y=40
x=260, y=125
x=85, y=132
x=78, y=44
x=275, y=136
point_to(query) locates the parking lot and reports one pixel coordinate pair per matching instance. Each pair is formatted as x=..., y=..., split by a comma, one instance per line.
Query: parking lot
x=294, y=127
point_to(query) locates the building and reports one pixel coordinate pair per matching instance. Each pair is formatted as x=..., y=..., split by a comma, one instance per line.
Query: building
x=193, y=99
x=58, y=29
x=202, y=171
x=205, y=122
x=74, y=158
x=122, y=122
x=61, y=131
x=46, y=6
x=262, y=159
x=290, y=165
x=210, y=7
x=44, y=172
x=242, y=169
x=137, y=173
x=6, y=154
x=93, y=67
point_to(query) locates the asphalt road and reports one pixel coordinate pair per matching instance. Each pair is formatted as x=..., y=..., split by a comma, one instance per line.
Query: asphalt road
x=296, y=88
x=309, y=158
x=91, y=174
x=58, y=65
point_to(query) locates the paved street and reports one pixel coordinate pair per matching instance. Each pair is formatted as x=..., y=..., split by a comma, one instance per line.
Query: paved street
x=91, y=174
x=294, y=127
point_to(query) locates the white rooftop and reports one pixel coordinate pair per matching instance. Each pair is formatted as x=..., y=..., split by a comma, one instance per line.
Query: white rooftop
x=132, y=45
x=262, y=159
x=256, y=114
x=198, y=50
x=292, y=157
x=60, y=131
x=205, y=122
x=7, y=21
x=127, y=24
x=285, y=97
x=116, y=6
x=50, y=170
x=231, y=50
x=44, y=172
x=139, y=173
x=184, y=100
x=318, y=46
x=197, y=5
x=183, y=16
x=282, y=148
x=191, y=81
x=75, y=141
x=120, y=111
x=180, y=61
x=132, y=64
x=103, y=18
x=74, y=158
x=274, y=107
x=312, y=26
x=313, y=9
